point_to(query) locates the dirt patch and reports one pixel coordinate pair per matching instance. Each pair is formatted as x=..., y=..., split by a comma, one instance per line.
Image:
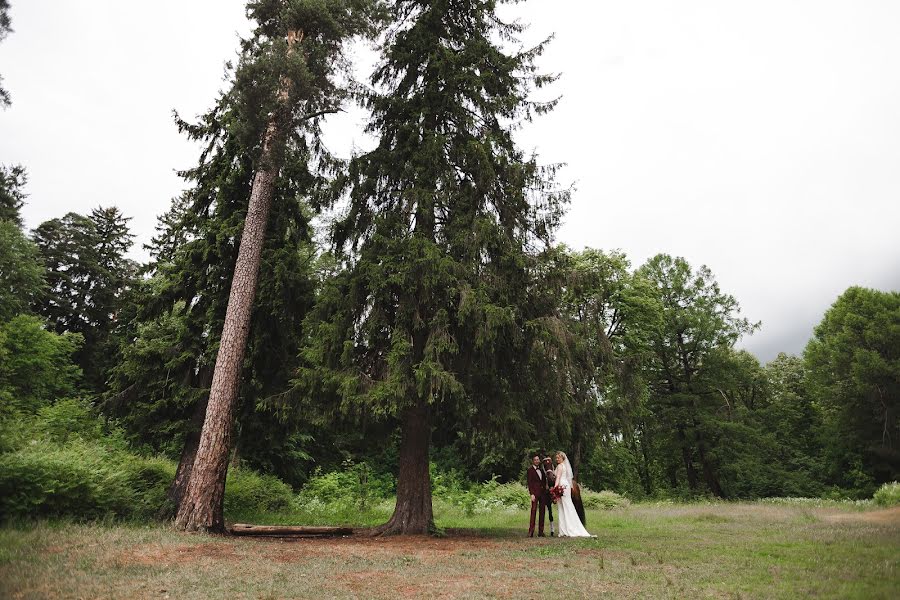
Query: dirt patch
x=184, y=553
x=889, y=517
x=420, y=547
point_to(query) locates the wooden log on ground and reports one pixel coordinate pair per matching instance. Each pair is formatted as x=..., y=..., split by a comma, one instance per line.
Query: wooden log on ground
x=288, y=530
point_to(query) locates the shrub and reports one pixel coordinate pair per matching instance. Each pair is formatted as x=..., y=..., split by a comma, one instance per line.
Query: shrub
x=82, y=479
x=248, y=491
x=35, y=365
x=604, y=500
x=888, y=494
x=357, y=485
x=505, y=495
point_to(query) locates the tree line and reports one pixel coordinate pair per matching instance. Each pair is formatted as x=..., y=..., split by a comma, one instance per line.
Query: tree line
x=409, y=306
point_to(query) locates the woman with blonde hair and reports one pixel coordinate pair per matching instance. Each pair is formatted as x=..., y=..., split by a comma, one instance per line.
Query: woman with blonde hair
x=569, y=523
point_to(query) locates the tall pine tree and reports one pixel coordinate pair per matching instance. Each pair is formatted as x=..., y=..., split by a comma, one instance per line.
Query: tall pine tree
x=285, y=82
x=5, y=28
x=88, y=278
x=431, y=318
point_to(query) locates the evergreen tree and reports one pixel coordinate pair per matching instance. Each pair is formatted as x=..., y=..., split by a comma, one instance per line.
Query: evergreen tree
x=285, y=82
x=431, y=319
x=88, y=277
x=5, y=28
x=12, y=195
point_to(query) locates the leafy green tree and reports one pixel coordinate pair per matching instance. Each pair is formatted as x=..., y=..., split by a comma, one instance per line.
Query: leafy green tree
x=35, y=366
x=600, y=306
x=88, y=278
x=21, y=272
x=696, y=323
x=431, y=318
x=853, y=362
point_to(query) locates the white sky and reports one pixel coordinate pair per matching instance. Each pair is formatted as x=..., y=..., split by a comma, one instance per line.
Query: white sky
x=761, y=138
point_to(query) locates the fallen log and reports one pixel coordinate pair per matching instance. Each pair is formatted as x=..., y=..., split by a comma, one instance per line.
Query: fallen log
x=288, y=530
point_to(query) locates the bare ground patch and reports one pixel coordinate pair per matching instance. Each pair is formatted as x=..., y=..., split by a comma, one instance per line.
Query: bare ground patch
x=180, y=554
x=888, y=517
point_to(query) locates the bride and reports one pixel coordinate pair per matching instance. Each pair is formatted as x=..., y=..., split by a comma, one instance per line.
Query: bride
x=569, y=523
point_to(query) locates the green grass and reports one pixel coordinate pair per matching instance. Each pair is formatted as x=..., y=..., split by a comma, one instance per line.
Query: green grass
x=741, y=550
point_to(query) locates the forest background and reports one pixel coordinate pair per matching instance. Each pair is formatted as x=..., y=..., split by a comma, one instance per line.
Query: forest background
x=370, y=308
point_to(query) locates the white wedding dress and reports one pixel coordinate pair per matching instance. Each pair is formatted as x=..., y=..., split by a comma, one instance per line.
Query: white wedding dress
x=568, y=521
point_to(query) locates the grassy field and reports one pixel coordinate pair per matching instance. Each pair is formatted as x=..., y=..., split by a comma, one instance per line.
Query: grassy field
x=756, y=550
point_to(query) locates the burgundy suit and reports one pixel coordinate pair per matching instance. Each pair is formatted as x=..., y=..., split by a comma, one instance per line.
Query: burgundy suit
x=537, y=487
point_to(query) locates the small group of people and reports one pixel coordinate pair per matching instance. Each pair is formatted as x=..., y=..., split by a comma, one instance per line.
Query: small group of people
x=548, y=486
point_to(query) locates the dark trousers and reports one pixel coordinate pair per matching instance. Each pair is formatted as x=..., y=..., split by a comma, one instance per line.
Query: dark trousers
x=538, y=504
x=549, y=502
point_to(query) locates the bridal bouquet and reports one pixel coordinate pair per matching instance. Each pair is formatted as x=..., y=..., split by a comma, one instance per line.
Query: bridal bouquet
x=556, y=492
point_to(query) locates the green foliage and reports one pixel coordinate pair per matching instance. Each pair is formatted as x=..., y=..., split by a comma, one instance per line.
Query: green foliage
x=12, y=193
x=888, y=494
x=195, y=252
x=35, y=366
x=854, y=372
x=88, y=281
x=21, y=272
x=687, y=356
x=65, y=462
x=5, y=28
x=604, y=500
x=433, y=316
x=81, y=479
x=356, y=486
x=247, y=490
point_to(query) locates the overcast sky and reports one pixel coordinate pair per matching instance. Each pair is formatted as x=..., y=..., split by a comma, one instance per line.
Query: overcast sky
x=761, y=138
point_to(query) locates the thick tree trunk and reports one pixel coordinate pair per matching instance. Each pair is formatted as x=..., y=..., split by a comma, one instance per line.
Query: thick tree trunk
x=176, y=490
x=413, y=513
x=201, y=507
x=188, y=455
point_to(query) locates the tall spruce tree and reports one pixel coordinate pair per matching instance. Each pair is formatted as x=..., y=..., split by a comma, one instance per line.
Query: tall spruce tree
x=430, y=320
x=287, y=79
x=12, y=194
x=88, y=277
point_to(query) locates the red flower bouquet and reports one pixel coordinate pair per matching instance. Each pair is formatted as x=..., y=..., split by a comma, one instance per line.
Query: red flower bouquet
x=556, y=492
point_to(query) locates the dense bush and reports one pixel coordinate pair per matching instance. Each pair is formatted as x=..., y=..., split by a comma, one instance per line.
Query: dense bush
x=604, y=500
x=888, y=494
x=35, y=366
x=65, y=462
x=81, y=479
x=248, y=491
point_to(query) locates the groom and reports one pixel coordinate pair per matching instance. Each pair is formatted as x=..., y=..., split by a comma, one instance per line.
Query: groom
x=537, y=487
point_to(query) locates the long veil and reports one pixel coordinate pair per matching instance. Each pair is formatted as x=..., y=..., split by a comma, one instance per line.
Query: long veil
x=576, y=492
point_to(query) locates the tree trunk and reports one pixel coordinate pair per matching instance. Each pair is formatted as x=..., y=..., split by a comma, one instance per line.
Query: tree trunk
x=709, y=474
x=188, y=455
x=201, y=507
x=288, y=530
x=576, y=463
x=413, y=514
x=644, y=463
x=191, y=442
x=687, y=459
